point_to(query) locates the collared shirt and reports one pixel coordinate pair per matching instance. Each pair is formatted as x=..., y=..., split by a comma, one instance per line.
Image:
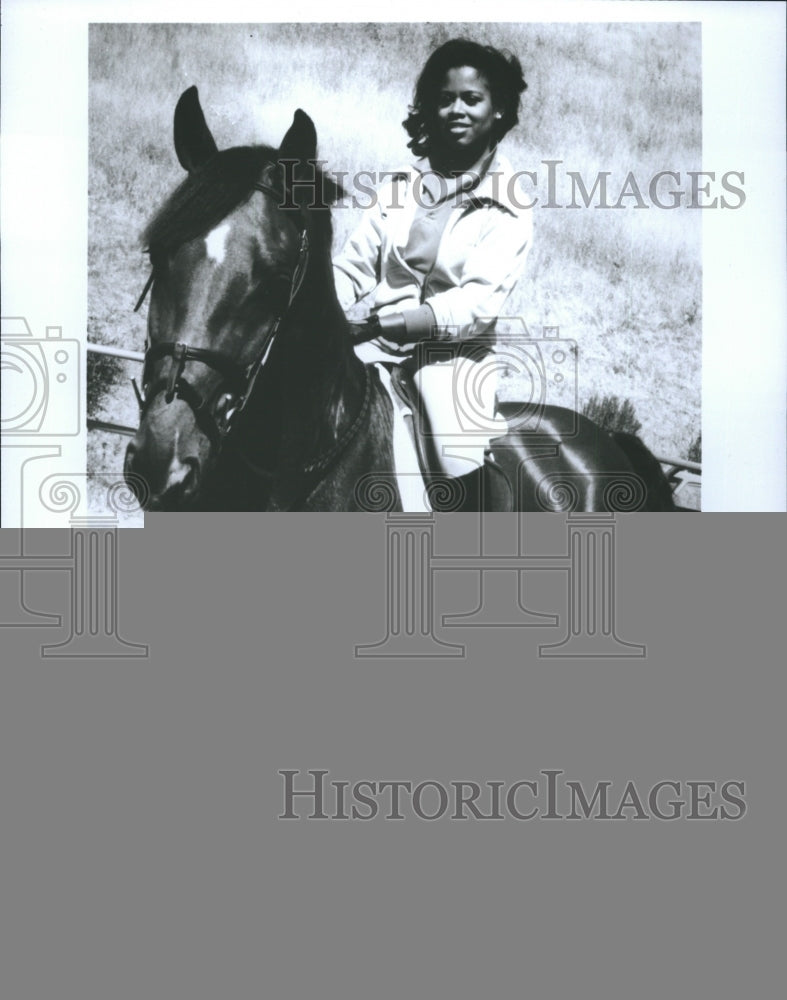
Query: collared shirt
x=481, y=252
x=437, y=196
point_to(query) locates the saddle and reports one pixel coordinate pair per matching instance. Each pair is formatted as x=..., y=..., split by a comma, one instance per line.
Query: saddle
x=496, y=491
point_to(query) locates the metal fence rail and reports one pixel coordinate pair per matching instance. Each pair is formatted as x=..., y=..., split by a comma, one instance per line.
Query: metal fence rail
x=105, y=425
x=113, y=352
x=116, y=352
x=681, y=463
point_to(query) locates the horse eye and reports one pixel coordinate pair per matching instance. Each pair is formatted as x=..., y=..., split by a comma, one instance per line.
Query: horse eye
x=273, y=279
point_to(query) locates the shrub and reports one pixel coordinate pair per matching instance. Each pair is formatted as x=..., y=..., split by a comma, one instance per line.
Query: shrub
x=608, y=412
x=103, y=373
x=694, y=453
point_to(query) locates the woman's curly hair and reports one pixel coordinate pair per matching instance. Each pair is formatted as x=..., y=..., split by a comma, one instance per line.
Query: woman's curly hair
x=502, y=71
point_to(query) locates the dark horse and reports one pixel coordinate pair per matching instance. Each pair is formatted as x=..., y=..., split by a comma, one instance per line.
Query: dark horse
x=253, y=398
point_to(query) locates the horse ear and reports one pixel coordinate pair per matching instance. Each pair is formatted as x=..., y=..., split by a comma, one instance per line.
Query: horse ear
x=193, y=142
x=300, y=142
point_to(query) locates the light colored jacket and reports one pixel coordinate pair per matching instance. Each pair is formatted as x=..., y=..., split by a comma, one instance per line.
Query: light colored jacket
x=481, y=254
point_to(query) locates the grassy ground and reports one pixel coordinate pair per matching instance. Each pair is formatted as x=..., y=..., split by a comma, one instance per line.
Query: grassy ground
x=624, y=284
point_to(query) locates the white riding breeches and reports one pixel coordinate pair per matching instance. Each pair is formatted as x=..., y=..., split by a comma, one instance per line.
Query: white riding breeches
x=458, y=397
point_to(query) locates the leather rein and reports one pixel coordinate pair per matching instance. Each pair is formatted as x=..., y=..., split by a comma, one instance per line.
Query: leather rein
x=237, y=381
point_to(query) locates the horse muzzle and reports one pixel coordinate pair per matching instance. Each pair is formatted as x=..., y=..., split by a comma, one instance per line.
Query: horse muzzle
x=175, y=486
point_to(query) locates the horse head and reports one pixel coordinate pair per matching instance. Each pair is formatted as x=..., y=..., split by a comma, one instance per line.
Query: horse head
x=228, y=251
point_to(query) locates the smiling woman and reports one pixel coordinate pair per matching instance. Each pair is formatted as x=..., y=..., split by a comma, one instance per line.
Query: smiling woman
x=441, y=250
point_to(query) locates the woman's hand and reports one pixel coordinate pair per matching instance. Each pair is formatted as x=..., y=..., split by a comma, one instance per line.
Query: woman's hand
x=399, y=333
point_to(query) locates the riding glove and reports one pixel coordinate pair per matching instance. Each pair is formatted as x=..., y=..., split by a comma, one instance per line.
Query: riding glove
x=398, y=330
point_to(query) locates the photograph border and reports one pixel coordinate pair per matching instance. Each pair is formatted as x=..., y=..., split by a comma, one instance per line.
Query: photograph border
x=744, y=357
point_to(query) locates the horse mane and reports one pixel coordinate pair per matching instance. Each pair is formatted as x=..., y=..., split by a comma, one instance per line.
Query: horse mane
x=218, y=187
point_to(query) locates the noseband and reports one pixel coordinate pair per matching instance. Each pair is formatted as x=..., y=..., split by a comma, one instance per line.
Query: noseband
x=237, y=381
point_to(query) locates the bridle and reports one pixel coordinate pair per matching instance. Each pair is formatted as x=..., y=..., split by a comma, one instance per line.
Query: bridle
x=237, y=381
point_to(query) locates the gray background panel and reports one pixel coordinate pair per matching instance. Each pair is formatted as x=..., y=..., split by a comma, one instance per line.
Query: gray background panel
x=141, y=850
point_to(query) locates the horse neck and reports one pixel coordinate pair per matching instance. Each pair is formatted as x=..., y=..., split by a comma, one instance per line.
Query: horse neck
x=314, y=385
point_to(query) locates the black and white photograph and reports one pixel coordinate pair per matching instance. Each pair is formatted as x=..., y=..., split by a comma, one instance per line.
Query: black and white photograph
x=513, y=213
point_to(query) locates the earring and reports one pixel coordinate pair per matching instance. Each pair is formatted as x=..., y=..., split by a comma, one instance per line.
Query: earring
x=498, y=114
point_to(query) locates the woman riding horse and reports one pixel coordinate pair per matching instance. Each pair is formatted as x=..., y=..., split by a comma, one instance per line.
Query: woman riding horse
x=441, y=249
x=252, y=396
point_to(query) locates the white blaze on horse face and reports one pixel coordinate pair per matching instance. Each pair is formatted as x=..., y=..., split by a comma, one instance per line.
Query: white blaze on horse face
x=178, y=469
x=216, y=242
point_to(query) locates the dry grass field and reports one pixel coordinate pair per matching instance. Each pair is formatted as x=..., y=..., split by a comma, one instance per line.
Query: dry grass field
x=624, y=283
